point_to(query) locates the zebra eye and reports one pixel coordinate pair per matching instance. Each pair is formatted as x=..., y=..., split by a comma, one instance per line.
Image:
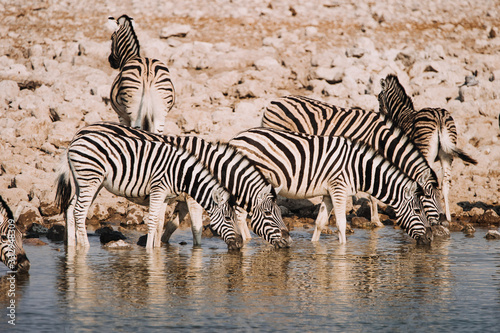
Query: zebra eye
x=418, y=210
x=4, y=238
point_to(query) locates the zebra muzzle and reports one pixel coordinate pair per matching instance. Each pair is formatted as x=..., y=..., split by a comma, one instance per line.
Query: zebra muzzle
x=235, y=244
x=23, y=264
x=426, y=238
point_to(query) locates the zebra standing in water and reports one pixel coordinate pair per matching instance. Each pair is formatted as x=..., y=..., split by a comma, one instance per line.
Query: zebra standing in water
x=307, y=166
x=432, y=130
x=310, y=116
x=144, y=172
x=142, y=93
x=233, y=170
x=12, y=253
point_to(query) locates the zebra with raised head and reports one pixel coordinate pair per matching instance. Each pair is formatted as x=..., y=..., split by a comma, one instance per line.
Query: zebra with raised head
x=144, y=172
x=12, y=253
x=307, y=166
x=142, y=93
x=310, y=116
x=432, y=130
x=252, y=193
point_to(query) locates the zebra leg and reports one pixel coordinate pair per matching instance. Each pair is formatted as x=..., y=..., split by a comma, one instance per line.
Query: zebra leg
x=339, y=199
x=179, y=214
x=322, y=220
x=82, y=206
x=241, y=216
x=161, y=222
x=156, y=206
x=196, y=214
x=374, y=212
x=446, y=161
x=70, y=223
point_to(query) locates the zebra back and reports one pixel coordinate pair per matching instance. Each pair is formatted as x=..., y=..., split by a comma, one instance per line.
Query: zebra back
x=124, y=43
x=306, y=165
x=306, y=115
x=12, y=253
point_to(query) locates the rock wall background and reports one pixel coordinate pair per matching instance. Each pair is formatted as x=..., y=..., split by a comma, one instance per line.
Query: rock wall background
x=227, y=59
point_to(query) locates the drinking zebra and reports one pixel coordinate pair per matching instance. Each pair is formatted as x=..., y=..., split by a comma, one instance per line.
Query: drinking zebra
x=144, y=172
x=142, y=93
x=12, y=252
x=310, y=116
x=252, y=193
x=308, y=166
x=432, y=130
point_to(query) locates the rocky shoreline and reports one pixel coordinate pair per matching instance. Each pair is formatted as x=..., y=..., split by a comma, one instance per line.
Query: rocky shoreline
x=226, y=64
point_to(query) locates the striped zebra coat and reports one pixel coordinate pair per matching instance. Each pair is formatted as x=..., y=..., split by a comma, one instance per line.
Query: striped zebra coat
x=432, y=130
x=12, y=253
x=144, y=172
x=310, y=116
x=306, y=166
x=142, y=94
x=234, y=171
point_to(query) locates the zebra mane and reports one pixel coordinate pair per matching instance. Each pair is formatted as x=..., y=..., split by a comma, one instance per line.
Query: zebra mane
x=235, y=155
x=5, y=209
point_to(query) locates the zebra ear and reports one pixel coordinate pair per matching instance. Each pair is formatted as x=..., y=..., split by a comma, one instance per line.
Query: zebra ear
x=383, y=84
x=410, y=190
x=112, y=25
x=424, y=178
x=220, y=196
x=278, y=189
x=265, y=192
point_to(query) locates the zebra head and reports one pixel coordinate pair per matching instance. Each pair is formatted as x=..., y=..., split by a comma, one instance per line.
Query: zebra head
x=431, y=199
x=267, y=221
x=12, y=252
x=223, y=219
x=411, y=214
x=124, y=43
x=393, y=98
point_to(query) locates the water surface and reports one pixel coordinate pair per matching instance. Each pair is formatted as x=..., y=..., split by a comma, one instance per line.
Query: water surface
x=379, y=281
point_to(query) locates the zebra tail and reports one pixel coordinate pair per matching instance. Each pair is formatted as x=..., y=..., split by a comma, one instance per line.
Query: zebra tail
x=449, y=147
x=463, y=156
x=64, y=191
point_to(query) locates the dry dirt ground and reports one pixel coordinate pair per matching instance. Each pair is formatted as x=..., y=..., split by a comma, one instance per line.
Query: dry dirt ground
x=227, y=59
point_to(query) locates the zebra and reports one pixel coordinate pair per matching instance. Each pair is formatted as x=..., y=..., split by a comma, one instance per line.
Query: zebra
x=142, y=93
x=308, y=166
x=12, y=252
x=145, y=172
x=310, y=116
x=432, y=130
x=243, y=180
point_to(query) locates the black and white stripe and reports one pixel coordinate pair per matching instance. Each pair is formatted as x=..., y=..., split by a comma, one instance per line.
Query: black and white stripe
x=142, y=93
x=333, y=167
x=12, y=253
x=234, y=171
x=432, y=130
x=144, y=172
x=310, y=116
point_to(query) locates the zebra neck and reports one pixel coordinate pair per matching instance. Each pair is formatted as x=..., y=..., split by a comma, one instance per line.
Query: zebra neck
x=231, y=169
x=379, y=178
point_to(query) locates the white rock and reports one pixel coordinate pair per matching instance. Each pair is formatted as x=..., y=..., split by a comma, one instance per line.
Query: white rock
x=175, y=30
